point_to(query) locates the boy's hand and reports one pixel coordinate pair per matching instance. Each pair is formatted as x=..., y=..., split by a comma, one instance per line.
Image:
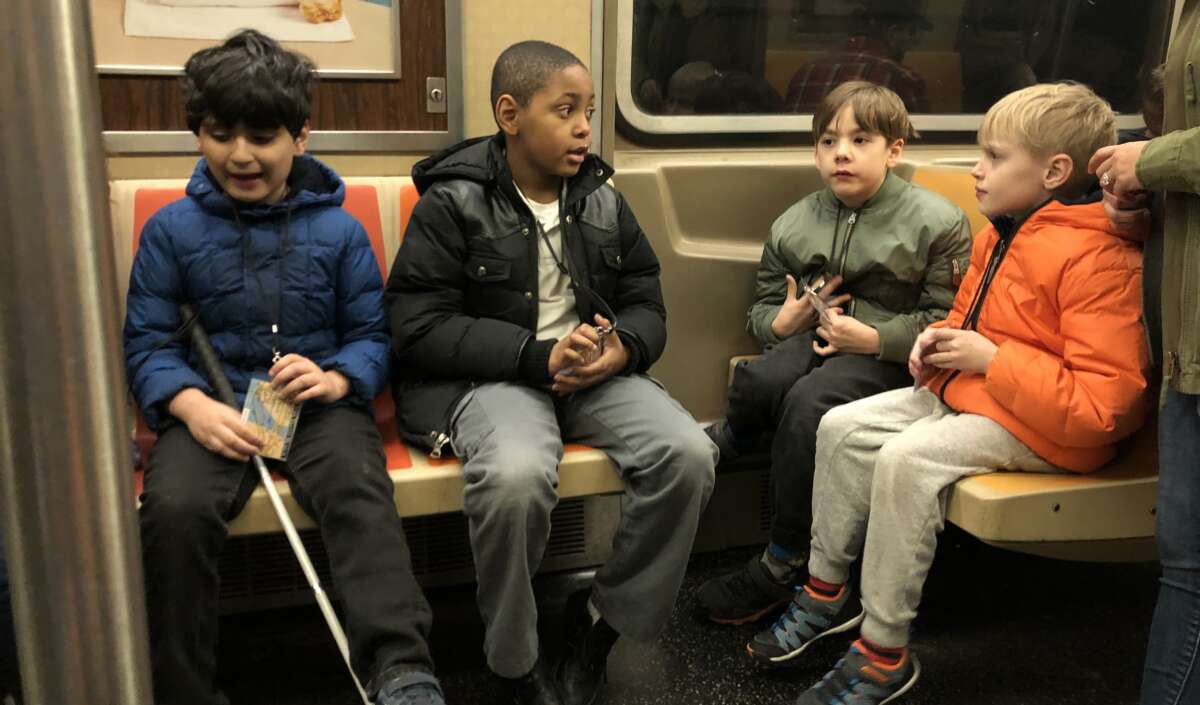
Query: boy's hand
x=576, y=349
x=299, y=379
x=797, y=314
x=1117, y=168
x=956, y=349
x=214, y=425
x=846, y=334
x=612, y=360
x=921, y=346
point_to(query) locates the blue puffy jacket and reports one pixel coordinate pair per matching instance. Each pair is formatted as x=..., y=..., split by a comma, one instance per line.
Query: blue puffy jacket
x=195, y=250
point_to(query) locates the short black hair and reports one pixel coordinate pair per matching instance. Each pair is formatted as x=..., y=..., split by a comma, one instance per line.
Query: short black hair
x=526, y=67
x=249, y=80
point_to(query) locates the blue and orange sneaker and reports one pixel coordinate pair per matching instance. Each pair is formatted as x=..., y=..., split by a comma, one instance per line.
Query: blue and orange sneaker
x=809, y=618
x=856, y=680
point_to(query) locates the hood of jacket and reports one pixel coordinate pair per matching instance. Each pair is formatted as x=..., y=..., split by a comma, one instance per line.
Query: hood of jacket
x=310, y=183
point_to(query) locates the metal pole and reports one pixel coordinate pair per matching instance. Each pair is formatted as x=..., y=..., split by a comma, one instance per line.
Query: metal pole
x=65, y=476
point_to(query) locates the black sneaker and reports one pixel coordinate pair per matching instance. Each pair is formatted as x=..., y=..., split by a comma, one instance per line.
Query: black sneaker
x=809, y=618
x=584, y=668
x=534, y=688
x=857, y=681
x=745, y=595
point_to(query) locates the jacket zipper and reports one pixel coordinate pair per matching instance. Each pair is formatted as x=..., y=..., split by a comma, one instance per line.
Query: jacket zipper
x=439, y=439
x=971, y=320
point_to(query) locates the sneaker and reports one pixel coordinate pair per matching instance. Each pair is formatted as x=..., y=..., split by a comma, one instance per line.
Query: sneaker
x=808, y=619
x=745, y=595
x=855, y=680
x=411, y=688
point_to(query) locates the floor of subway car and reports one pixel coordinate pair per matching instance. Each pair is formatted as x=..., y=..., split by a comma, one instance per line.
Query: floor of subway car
x=996, y=628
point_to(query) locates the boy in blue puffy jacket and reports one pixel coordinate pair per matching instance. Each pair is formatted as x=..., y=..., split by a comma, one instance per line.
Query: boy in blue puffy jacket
x=286, y=285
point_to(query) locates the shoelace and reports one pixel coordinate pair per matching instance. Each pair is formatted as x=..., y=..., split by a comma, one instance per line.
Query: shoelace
x=789, y=624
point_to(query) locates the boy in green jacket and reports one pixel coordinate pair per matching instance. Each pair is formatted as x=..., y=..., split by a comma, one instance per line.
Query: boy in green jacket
x=849, y=276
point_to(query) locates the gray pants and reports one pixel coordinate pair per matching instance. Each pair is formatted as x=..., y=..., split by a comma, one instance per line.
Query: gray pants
x=883, y=466
x=511, y=438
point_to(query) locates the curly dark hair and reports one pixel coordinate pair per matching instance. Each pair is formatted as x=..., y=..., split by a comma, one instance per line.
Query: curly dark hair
x=249, y=80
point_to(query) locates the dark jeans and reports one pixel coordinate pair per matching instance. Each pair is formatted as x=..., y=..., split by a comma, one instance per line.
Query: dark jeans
x=10, y=676
x=788, y=389
x=337, y=472
x=1172, y=672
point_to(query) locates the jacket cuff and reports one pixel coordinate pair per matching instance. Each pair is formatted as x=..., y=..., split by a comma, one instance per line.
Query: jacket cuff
x=1158, y=166
x=534, y=364
x=634, y=353
x=895, y=340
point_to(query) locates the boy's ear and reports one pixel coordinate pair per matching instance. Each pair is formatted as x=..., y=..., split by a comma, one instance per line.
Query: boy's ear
x=894, y=152
x=302, y=139
x=1058, y=171
x=508, y=115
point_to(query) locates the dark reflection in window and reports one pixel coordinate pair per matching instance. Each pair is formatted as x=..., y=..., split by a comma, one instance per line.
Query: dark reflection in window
x=940, y=56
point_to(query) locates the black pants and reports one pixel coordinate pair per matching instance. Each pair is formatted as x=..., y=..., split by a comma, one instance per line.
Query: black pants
x=788, y=389
x=338, y=474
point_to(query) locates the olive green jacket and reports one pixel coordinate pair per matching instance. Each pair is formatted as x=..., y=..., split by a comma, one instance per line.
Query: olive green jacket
x=902, y=256
x=1171, y=163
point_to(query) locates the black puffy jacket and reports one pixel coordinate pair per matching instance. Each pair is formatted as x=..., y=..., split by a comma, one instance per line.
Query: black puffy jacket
x=463, y=290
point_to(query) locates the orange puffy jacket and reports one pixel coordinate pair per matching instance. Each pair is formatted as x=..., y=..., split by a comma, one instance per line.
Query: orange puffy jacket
x=1064, y=308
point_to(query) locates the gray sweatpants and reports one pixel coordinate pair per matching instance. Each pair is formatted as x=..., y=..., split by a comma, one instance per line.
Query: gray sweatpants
x=510, y=438
x=883, y=466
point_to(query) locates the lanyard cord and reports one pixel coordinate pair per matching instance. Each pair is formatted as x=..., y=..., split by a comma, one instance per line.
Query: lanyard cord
x=280, y=273
x=564, y=263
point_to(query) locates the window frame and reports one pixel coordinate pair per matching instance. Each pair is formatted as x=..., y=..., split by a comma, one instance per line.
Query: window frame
x=765, y=124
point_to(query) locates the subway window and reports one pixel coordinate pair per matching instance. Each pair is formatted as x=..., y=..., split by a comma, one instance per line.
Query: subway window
x=948, y=60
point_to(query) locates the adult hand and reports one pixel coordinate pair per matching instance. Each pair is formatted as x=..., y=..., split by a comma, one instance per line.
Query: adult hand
x=575, y=349
x=843, y=333
x=956, y=349
x=1128, y=215
x=1116, y=166
x=797, y=313
x=611, y=361
x=299, y=379
x=214, y=425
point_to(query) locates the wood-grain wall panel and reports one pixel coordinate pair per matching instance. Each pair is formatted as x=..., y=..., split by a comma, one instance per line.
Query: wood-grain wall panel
x=155, y=103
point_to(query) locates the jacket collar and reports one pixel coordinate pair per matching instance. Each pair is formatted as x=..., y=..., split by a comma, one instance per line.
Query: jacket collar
x=310, y=183
x=1086, y=212
x=482, y=160
x=891, y=187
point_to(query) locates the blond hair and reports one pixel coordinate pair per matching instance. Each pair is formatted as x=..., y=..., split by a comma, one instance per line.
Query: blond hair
x=877, y=110
x=1054, y=118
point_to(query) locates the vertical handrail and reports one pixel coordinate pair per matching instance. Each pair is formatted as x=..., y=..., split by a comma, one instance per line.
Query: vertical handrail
x=66, y=491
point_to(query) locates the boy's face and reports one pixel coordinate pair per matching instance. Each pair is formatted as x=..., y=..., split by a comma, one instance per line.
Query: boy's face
x=554, y=131
x=251, y=165
x=1009, y=179
x=854, y=162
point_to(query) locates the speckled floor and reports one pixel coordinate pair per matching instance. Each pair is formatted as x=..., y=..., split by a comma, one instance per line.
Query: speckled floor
x=996, y=628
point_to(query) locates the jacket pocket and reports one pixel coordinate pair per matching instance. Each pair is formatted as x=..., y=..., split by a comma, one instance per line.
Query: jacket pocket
x=487, y=269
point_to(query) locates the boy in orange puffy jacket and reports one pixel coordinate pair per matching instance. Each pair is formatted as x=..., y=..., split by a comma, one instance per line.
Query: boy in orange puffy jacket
x=1039, y=367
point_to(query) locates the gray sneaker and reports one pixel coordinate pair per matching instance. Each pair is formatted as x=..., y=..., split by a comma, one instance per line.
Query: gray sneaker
x=411, y=688
x=808, y=619
x=857, y=681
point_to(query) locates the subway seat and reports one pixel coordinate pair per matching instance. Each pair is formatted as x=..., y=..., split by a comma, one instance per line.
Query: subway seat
x=423, y=485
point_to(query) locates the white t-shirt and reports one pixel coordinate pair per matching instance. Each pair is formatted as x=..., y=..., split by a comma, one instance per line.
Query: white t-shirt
x=556, y=300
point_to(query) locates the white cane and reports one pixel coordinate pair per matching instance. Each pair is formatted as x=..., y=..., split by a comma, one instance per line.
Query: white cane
x=208, y=358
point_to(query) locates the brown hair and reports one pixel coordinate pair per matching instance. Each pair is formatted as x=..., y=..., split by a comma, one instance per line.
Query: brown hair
x=1054, y=118
x=877, y=110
